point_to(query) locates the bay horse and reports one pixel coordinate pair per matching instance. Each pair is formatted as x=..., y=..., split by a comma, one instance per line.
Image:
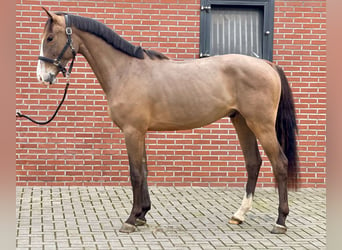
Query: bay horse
x=147, y=91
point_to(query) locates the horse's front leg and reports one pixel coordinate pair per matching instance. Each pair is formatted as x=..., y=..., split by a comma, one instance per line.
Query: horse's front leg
x=135, y=143
x=146, y=202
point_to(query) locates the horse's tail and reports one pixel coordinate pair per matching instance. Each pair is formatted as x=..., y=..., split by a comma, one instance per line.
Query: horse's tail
x=286, y=128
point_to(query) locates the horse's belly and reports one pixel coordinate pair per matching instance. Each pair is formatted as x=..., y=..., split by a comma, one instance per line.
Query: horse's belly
x=187, y=119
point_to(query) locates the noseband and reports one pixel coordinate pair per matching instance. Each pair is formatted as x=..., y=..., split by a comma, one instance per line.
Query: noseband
x=57, y=61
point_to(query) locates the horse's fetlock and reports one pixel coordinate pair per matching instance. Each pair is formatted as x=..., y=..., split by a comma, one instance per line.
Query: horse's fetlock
x=284, y=210
x=146, y=208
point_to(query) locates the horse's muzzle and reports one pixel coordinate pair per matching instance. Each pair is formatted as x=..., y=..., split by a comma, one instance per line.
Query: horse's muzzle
x=47, y=78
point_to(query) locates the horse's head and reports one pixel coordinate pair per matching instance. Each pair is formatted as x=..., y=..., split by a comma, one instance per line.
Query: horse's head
x=56, y=48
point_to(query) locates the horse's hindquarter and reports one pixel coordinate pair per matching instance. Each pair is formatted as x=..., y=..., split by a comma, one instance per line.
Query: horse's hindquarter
x=257, y=86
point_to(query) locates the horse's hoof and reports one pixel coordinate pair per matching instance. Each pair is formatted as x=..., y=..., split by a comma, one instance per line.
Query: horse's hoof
x=235, y=221
x=140, y=222
x=127, y=228
x=279, y=229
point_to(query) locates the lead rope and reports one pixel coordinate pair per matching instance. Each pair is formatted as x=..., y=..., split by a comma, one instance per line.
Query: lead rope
x=18, y=114
x=67, y=75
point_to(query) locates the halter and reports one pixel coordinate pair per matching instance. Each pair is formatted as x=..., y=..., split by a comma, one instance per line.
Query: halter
x=57, y=61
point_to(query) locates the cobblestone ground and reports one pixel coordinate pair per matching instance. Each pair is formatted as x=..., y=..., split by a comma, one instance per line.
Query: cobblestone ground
x=181, y=218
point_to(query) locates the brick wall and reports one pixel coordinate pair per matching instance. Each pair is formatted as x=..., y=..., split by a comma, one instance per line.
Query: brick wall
x=83, y=147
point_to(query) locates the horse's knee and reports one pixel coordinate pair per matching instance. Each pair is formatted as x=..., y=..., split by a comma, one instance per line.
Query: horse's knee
x=136, y=178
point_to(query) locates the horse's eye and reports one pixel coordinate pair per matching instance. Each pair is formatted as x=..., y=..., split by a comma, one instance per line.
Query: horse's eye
x=50, y=38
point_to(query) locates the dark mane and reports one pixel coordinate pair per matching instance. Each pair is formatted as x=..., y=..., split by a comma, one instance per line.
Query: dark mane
x=108, y=35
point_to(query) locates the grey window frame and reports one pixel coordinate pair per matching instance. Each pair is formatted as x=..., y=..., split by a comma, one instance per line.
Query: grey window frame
x=268, y=25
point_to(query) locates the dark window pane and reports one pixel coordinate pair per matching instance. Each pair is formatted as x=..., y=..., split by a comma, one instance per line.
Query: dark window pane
x=236, y=30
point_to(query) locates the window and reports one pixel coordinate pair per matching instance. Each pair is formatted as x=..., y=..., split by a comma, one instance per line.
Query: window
x=240, y=27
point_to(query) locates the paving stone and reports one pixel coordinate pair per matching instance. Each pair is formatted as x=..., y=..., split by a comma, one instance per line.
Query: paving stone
x=181, y=218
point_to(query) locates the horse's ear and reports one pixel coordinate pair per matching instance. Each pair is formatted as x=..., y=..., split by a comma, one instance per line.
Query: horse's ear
x=47, y=12
x=51, y=16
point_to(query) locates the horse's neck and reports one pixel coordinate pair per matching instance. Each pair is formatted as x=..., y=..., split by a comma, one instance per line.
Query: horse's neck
x=107, y=63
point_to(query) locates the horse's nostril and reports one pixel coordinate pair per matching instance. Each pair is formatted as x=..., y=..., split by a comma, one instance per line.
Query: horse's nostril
x=51, y=78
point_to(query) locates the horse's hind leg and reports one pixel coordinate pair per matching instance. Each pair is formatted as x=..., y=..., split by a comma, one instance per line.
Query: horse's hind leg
x=253, y=162
x=265, y=132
